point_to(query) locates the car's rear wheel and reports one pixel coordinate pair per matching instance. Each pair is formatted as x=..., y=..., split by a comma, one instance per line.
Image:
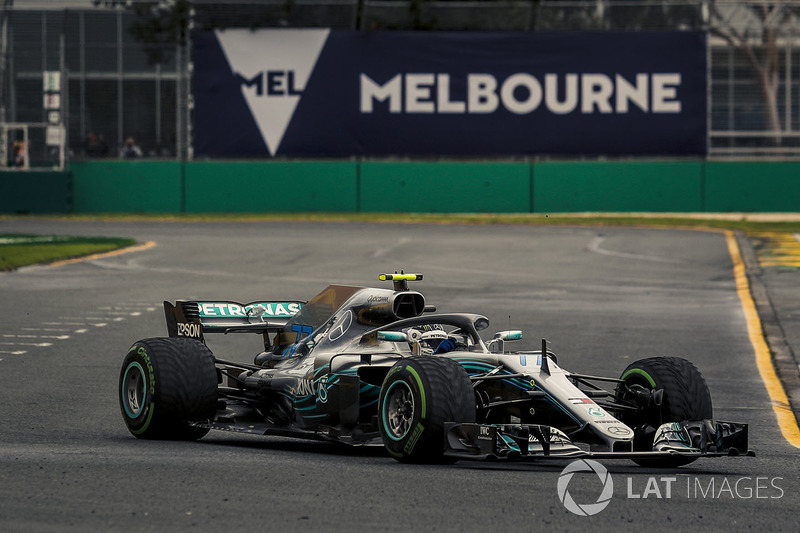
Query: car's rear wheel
x=166, y=383
x=685, y=397
x=418, y=396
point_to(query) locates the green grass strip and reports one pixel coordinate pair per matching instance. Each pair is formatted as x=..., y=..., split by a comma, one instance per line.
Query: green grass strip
x=22, y=250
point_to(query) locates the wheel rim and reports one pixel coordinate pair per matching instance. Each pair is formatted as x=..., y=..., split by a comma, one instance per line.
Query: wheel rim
x=133, y=390
x=398, y=410
x=643, y=381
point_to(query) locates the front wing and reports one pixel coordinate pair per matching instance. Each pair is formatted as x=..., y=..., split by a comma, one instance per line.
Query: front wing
x=520, y=442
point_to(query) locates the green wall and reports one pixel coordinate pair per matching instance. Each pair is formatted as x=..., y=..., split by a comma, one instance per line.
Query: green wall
x=445, y=187
x=35, y=192
x=772, y=186
x=660, y=186
x=405, y=186
x=259, y=187
x=127, y=186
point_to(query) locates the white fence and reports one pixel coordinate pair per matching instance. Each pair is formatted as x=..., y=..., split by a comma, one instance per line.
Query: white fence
x=32, y=146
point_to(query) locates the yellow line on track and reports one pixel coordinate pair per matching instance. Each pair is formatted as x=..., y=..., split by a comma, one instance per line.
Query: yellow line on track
x=121, y=251
x=780, y=402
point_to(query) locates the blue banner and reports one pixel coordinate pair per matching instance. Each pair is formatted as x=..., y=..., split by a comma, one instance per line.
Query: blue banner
x=330, y=93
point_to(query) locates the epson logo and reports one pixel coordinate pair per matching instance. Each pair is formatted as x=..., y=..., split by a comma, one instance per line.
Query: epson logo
x=271, y=83
x=523, y=93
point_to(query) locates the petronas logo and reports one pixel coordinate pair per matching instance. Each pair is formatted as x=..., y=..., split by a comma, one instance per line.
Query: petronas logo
x=273, y=68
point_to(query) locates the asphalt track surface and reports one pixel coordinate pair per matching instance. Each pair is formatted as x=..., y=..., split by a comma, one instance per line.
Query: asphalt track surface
x=603, y=297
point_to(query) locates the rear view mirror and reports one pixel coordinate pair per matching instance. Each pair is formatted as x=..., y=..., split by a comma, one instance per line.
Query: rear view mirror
x=392, y=336
x=497, y=344
x=509, y=335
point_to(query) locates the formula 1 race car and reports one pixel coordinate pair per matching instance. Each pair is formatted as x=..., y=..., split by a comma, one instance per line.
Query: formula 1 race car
x=367, y=366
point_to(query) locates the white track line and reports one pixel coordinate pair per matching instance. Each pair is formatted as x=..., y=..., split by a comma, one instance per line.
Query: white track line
x=112, y=314
x=594, y=246
x=56, y=337
x=38, y=345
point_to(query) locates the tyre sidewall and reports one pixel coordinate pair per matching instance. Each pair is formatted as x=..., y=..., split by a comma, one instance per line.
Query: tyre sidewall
x=680, y=381
x=138, y=361
x=409, y=445
x=686, y=397
x=180, y=387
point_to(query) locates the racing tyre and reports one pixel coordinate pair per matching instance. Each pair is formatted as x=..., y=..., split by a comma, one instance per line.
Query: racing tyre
x=417, y=397
x=164, y=384
x=685, y=397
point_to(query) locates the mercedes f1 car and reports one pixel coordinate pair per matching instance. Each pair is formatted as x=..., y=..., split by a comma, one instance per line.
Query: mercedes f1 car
x=365, y=366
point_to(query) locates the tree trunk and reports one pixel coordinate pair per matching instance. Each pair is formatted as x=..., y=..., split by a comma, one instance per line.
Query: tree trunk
x=768, y=80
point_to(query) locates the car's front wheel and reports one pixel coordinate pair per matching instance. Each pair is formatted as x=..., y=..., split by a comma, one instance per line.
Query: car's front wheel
x=418, y=396
x=685, y=396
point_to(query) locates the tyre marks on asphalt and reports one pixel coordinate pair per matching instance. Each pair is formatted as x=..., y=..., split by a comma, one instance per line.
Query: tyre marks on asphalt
x=596, y=246
x=778, y=250
x=63, y=328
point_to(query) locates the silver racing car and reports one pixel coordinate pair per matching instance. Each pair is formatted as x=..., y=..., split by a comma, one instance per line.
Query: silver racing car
x=366, y=366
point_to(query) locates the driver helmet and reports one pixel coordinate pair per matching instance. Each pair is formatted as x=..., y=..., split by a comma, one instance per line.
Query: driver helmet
x=427, y=337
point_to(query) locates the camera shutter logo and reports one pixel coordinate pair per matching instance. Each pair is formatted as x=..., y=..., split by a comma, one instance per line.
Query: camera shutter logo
x=587, y=509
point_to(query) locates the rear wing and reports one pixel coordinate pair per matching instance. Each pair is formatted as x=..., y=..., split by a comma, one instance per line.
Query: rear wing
x=195, y=318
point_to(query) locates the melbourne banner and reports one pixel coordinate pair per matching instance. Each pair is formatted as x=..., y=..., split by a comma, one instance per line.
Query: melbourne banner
x=330, y=93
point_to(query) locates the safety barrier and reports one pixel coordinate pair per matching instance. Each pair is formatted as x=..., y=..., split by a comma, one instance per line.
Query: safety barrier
x=349, y=186
x=35, y=192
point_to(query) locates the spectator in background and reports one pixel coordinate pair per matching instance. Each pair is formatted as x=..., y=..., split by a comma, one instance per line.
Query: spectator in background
x=130, y=149
x=160, y=151
x=102, y=146
x=92, y=145
x=96, y=145
x=12, y=154
x=17, y=154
